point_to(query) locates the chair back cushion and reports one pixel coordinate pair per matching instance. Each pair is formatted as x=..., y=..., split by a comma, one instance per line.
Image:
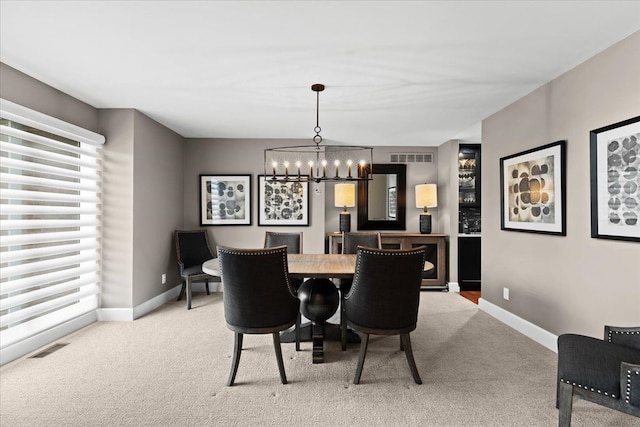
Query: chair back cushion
x=256, y=290
x=293, y=241
x=351, y=241
x=386, y=289
x=192, y=247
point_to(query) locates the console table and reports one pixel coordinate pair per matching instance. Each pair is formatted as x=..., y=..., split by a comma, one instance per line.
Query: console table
x=436, y=252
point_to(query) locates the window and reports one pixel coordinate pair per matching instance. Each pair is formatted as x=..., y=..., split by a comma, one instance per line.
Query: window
x=50, y=204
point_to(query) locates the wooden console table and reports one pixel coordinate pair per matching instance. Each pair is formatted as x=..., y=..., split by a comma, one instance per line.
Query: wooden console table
x=436, y=252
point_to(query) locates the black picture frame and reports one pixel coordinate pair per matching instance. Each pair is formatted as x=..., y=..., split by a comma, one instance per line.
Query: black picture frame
x=615, y=181
x=282, y=203
x=533, y=190
x=225, y=199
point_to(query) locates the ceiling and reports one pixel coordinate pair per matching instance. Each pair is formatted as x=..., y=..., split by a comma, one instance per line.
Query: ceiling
x=396, y=73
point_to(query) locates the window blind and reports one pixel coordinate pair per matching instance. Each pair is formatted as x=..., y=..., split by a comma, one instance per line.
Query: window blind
x=50, y=222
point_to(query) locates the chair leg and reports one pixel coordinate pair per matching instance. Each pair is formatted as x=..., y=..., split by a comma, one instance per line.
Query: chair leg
x=401, y=343
x=408, y=351
x=237, y=349
x=276, y=345
x=182, y=289
x=206, y=285
x=188, y=293
x=298, y=324
x=565, y=404
x=363, y=352
x=343, y=322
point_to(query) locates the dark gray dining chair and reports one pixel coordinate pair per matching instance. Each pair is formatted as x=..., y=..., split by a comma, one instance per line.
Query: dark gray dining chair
x=192, y=249
x=384, y=298
x=605, y=372
x=350, y=243
x=258, y=298
x=293, y=242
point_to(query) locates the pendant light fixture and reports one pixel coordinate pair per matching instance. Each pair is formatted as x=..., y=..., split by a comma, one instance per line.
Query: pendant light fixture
x=319, y=162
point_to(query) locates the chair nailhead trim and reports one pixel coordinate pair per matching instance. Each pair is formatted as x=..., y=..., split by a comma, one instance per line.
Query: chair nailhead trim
x=628, y=391
x=588, y=388
x=263, y=252
x=621, y=333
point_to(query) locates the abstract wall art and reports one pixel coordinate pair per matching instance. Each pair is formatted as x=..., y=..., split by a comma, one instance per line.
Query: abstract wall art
x=225, y=199
x=615, y=181
x=282, y=203
x=532, y=190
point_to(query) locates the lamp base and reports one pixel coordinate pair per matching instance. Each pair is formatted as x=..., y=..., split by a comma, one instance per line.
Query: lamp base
x=345, y=222
x=425, y=223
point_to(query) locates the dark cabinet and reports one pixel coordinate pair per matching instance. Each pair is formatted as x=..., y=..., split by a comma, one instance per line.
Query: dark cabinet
x=469, y=224
x=469, y=175
x=469, y=263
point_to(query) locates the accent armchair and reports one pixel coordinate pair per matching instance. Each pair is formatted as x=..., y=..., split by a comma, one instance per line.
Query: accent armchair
x=384, y=298
x=258, y=298
x=606, y=372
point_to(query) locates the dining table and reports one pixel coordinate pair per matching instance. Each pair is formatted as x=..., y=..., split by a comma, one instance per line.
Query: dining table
x=313, y=266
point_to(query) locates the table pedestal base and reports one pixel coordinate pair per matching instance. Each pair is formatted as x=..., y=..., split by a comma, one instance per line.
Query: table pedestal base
x=318, y=334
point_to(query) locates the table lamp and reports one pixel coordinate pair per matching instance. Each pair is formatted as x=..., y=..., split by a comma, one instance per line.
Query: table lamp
x=345, y=196
x=426, y=197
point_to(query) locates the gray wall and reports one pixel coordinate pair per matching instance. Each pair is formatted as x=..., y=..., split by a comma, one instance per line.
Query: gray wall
x=142, y=193
x=243, y=156
x=573, y=283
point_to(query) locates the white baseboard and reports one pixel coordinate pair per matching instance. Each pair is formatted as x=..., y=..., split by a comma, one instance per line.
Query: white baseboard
x=521, y=325
x=129, y=314
x=454, y=287
x=44, y=338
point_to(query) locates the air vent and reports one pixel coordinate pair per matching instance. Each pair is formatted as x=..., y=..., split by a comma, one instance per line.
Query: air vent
x=411, y=158
x=47, y=351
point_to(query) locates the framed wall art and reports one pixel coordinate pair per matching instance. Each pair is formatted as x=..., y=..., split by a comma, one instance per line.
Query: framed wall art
x=615, y=181
x=282, y=203
x=225, y=199
x=532, y=190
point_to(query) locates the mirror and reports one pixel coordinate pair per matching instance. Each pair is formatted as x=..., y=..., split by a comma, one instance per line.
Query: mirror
x=382, y=201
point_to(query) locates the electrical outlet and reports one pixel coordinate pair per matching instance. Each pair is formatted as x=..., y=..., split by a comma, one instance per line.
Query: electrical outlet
x=164, y=278
x=505, y=293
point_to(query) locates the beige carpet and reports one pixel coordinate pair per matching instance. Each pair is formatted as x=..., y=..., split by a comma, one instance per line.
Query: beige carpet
x=170, y=367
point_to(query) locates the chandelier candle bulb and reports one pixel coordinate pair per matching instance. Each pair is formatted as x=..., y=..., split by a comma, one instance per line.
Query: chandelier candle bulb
x=275, y=165
x=311, y=169
x=298, y=166
x=349, y=163
x=337, y=163
x=324, y=168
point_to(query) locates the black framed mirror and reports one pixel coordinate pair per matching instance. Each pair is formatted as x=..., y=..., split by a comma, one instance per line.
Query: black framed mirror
x=382, y=201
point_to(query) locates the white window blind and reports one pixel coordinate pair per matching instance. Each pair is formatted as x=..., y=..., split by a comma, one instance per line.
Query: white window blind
x=50, y=215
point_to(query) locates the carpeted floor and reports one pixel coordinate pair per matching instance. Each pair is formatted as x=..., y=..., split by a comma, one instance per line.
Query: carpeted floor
x=170, y=367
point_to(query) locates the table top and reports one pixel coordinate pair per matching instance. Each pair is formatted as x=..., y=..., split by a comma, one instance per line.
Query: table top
x=311, y=265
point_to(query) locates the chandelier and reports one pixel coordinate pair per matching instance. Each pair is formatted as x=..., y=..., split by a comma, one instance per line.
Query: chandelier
x=319, y=162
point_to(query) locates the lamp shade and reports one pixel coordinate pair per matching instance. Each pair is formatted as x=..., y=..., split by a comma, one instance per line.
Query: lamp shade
x=426, y=196
x=345, y=195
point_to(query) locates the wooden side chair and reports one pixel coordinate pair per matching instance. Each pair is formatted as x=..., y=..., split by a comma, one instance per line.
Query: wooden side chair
x=293, y=242
x=350, y=243
x=192, y=249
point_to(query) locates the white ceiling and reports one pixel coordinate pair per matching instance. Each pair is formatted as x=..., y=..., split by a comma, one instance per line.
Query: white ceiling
x=397, y=73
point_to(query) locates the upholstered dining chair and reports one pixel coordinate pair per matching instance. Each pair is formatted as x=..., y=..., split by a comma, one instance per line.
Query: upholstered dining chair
x=384, y=298
x=293, y=242
x=350, y=243
x=606, y=372
x=192, y=249
x=258, y=298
